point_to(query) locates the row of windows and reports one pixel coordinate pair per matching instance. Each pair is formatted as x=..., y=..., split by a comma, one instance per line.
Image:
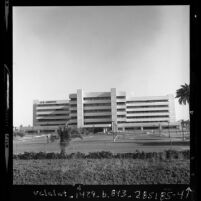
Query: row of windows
x=73, y=111
x=91, y=123
x=103, y=104
x=52, y=105
x=144, y=128
x=132, y=128
x=97, y=98
x=73, y=124
x=147, y=106
x=91, y=111
x=142, y=117
x=120, y=103
x=47, y=115
x=121, y=116
x=49, y=124
x=120, y=122
x=73, y=99
x=121, y=97
x=121, y=110
x=147, y=121
x=73, y=105
x=97, y=117
x=52, y=110
x=97, y=104
x=44, y=120
x=152, y=111
x=74, y=117
x=147, y=101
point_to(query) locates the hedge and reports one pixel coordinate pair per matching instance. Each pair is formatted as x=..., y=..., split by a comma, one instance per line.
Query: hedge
x=166, y=155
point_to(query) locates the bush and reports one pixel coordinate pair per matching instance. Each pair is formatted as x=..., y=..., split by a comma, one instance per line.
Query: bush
x=17, y=133
x=100, y=171
x=166, y=155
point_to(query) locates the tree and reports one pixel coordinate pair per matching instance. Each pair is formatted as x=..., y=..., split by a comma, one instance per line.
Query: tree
x=183, y=94
x=65, y=135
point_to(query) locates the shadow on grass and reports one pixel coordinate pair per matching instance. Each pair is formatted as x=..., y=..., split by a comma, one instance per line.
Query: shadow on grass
x=164, y=143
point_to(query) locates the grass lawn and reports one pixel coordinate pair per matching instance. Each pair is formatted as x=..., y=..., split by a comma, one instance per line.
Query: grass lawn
x=94, y=143
x=100, y=171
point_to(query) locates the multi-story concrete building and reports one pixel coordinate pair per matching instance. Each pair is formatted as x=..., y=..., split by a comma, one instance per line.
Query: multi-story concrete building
x=101, y=109
x=50, y=114
x=106, y=110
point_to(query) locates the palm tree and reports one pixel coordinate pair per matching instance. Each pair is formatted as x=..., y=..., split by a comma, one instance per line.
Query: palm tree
x=184, y=97
x=65, y=135
x=183, y=94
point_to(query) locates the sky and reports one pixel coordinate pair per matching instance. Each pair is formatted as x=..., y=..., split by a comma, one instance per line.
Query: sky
x=143, y=50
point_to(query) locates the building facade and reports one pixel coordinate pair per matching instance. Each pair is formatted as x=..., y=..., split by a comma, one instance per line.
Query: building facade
x=107, y=110
x=50, y=113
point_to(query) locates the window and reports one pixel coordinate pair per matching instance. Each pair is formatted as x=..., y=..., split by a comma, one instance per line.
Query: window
x=51, y=110
x=121, y=116
x=74, y=117
x=149, y=111
x=121, y=110
x=97, y=98
x=147, y=101
x=121, y=97
x=97, y=117
x=119, y=122
x=93, y=111
x=147, y=106
x=147, y=121
x=97, y=104
x=92, y=123
x=73, y=111
x=52, y=105
x=120, y=103
x=47, y=115
x=45, y=120
x=140, y=117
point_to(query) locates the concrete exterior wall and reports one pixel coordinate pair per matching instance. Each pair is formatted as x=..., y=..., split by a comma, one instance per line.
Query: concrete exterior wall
x=80, y=119
x=34, y=112
x=114, y=106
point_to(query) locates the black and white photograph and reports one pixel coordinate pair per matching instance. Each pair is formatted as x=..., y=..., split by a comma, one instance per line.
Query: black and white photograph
x=101, y=95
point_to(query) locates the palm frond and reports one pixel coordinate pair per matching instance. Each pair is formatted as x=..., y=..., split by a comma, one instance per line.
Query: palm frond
x=183, y=94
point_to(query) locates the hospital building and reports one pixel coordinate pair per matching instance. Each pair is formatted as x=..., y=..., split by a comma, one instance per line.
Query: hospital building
x=105, y=111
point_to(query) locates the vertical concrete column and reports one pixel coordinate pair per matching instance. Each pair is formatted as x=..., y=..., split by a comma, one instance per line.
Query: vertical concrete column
x=171, y=102
x=80, y=116
x=34, y=111
x=114, y=107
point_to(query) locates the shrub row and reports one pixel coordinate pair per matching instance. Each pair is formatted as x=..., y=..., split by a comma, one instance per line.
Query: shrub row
x=166, y=155
x=102, y=172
